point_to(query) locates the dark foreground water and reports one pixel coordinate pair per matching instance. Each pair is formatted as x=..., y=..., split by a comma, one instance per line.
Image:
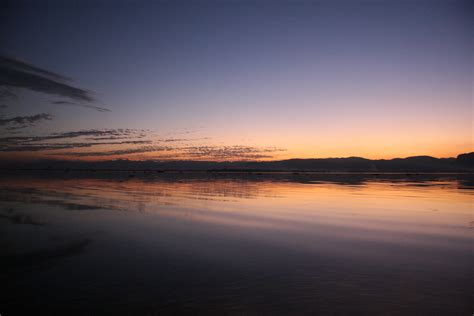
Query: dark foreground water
x=98, y=244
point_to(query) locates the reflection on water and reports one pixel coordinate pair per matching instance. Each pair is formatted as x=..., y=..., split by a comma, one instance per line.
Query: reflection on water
x=236, y=244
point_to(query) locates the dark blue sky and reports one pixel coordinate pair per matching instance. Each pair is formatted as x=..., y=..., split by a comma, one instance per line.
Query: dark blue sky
x=319, y=78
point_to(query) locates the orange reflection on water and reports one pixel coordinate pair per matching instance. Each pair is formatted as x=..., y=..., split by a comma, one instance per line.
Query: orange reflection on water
x=382, y=243
x=370, y=209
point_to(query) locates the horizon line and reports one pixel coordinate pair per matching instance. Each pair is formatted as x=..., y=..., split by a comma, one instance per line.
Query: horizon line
x=26, y=159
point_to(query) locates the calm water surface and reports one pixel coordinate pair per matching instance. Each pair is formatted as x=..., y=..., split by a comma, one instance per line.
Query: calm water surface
x=236, y=244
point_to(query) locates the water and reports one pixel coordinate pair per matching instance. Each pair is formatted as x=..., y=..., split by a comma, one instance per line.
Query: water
x=236, y=244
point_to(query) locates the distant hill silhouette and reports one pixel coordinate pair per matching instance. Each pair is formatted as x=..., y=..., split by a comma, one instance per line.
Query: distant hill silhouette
x=462, y=163
x=466, y=159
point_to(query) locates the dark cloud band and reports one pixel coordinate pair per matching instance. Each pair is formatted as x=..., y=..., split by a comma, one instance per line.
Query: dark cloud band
x=25, y=121
x=19, y=74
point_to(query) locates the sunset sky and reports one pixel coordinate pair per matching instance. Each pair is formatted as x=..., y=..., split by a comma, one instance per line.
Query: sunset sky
x=235, y=80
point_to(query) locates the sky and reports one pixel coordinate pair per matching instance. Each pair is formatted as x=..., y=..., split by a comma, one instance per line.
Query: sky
x=235, y=80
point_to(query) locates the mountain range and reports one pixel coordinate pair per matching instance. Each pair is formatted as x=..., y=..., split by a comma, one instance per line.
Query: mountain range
x=461, y=163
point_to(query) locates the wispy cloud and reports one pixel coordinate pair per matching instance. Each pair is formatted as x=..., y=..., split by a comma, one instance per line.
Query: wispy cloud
x=26, y=119
x=6, y=93
x=119, y=152
x=41, y=143
x=19, y=122
x=99, y=134
x=56, y=146
x=180, y=140
x=230, y=152
x=98, y=108
x=15, y=73
x=131, y=143
x=187, y=153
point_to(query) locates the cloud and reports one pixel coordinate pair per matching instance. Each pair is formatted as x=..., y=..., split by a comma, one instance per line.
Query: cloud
x=99, y=134
x=40, y=143
x=6, y=93
x=229, y=152
x=16, y=73
x=98, y=108
x=23, y=66
x=19, y=74
x=109, y=138
x=119, y=152
x=62, y=102
x=180, y=140
x=119, y=132
x=187, y=153
x=133, y=143
x=57, y=146
x=26, y=119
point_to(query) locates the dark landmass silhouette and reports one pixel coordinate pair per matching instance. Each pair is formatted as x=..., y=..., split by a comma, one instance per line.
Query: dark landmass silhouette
x=462, y=163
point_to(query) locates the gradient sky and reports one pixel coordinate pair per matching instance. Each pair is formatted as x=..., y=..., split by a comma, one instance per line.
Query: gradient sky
x=250, y=80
